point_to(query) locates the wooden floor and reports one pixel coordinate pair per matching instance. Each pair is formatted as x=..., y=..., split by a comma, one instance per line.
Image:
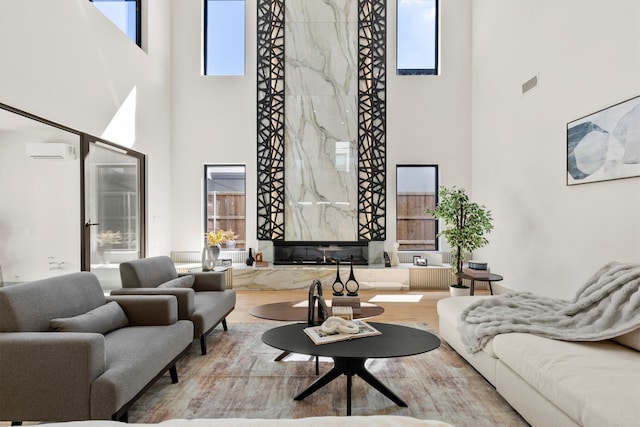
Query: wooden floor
x=421, y=311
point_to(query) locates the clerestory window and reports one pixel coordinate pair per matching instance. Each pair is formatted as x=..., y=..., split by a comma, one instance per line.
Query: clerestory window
x=224, y=37
x=417, y=37
x=125, y=14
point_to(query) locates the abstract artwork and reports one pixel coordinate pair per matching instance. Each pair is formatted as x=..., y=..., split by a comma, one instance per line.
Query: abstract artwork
x=605, y=145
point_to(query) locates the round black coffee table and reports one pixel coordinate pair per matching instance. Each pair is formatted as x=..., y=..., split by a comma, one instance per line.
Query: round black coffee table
x=350, y=356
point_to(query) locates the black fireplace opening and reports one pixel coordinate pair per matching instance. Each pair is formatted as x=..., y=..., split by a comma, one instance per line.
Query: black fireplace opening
x=320, y=253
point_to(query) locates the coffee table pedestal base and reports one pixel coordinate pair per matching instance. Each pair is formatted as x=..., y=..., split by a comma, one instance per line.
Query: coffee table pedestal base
x=350, y=366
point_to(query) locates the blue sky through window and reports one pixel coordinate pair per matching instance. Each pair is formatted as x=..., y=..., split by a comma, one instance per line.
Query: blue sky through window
x=417, y=35
x=122, y=13
x=225, y=33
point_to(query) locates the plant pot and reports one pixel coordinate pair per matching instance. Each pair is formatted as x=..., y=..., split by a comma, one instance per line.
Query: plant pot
x=459, y=291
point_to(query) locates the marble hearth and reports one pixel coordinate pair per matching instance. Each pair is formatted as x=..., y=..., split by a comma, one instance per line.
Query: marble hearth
x=281, y=277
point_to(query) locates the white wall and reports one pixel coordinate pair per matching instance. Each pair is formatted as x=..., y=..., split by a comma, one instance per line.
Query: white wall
x=65, y=61
x=214, y=118
x=213, y=121
x=30, y=230
x=549, y=237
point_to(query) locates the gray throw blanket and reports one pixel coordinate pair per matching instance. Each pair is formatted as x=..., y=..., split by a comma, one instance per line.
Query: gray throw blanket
x=607, y=305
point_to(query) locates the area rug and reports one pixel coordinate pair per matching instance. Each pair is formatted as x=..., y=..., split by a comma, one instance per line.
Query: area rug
x=239, y=378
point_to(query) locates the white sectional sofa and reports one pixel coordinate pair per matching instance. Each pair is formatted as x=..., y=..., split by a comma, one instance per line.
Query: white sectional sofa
x=556, y=383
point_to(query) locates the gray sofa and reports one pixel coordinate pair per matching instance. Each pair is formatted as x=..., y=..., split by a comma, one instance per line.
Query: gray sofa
x=202, y=297
x=69, y=353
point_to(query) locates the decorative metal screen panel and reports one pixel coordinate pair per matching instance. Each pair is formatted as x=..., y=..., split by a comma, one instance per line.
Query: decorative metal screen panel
x=372, y=153
x=371, y=120
x=271, y=193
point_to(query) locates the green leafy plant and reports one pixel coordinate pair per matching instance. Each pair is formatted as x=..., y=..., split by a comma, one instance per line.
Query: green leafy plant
x=466, y=224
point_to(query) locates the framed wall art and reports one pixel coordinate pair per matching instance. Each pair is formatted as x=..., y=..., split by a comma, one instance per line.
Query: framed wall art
x=605, y=145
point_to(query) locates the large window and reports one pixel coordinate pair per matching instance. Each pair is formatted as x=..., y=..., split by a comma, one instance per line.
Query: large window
x=416, y=190
x=125, y=14
x=224, y=35
x=417, y=37
x=224, y=201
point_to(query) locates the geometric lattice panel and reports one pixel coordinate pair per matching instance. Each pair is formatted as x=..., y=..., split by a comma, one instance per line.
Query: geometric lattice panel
x=371, y=120
x=372, y=111
x=271, y=125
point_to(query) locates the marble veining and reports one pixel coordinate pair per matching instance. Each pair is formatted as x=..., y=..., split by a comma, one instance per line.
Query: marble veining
x=321, y=120
x=291, y=277
x=321, y=11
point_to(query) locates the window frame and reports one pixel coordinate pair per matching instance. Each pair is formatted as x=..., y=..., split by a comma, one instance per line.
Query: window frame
x=205, y=189
x=421, y=71
x=436, y=244
x=138, y=3
x=205, y=43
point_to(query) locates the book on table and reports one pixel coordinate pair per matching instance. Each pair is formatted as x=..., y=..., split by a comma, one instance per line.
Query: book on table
x=320, y=337
x=476, y=274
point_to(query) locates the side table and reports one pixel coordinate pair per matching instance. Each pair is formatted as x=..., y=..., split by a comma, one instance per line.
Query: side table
x=491, y=278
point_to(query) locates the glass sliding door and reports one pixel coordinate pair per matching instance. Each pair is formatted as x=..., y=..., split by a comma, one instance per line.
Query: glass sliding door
x=114, y=209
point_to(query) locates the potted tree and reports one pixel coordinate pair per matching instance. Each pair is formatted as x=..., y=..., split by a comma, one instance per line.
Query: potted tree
x=466, y=224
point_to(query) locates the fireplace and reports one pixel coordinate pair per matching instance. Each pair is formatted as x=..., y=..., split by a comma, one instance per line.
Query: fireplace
x=320, y=253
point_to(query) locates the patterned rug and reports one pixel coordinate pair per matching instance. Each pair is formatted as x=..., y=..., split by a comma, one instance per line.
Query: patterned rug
x=239, y=378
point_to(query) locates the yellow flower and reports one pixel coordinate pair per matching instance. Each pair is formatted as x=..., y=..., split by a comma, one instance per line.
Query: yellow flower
x=220, y=236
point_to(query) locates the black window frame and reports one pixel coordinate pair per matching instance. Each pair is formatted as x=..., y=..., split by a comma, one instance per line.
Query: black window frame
x=205, y=188
x=205, y=44
x=138, y=3
x=422, y=71
x=436, y=244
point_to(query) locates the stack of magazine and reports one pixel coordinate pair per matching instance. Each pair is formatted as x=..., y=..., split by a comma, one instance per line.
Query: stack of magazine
x=319, y=337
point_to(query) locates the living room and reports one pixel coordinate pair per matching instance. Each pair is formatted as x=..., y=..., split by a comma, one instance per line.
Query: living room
x=65, y=62
x=472, y=120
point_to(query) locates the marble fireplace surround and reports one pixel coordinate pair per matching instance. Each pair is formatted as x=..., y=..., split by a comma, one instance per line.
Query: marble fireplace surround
x=321, y=131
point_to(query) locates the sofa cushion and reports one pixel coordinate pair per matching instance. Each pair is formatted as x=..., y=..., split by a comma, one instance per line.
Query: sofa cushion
x=210, y=308
x=134, y=356
x=592, y=382
x=631, y=339
x=449, y=309
x=101, y=320
x=147, y=272
x=180, y=282
x=29, y=307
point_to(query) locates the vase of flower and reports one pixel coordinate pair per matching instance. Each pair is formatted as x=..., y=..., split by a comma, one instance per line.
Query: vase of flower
x=215, y=251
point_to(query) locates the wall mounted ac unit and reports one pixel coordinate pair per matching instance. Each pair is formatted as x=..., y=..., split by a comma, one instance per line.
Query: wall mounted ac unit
x=50, y=150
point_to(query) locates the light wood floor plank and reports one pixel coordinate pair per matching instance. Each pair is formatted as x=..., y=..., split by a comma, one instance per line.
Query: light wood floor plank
x=422, y=311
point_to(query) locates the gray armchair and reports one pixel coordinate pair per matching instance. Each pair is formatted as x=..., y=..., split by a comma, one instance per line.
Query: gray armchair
x=202, y=297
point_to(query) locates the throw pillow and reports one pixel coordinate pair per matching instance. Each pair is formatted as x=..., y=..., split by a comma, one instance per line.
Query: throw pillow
x=180, y=282
x=101, y=320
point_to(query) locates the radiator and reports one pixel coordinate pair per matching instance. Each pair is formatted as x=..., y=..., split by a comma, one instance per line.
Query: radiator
x=435, y=278
x=186, y=257
x=430, y=278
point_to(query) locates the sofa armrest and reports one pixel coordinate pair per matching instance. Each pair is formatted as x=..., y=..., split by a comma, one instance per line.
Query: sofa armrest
x=48, y=375
x=209, y=281
x=184, y=296
x=148, y=310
